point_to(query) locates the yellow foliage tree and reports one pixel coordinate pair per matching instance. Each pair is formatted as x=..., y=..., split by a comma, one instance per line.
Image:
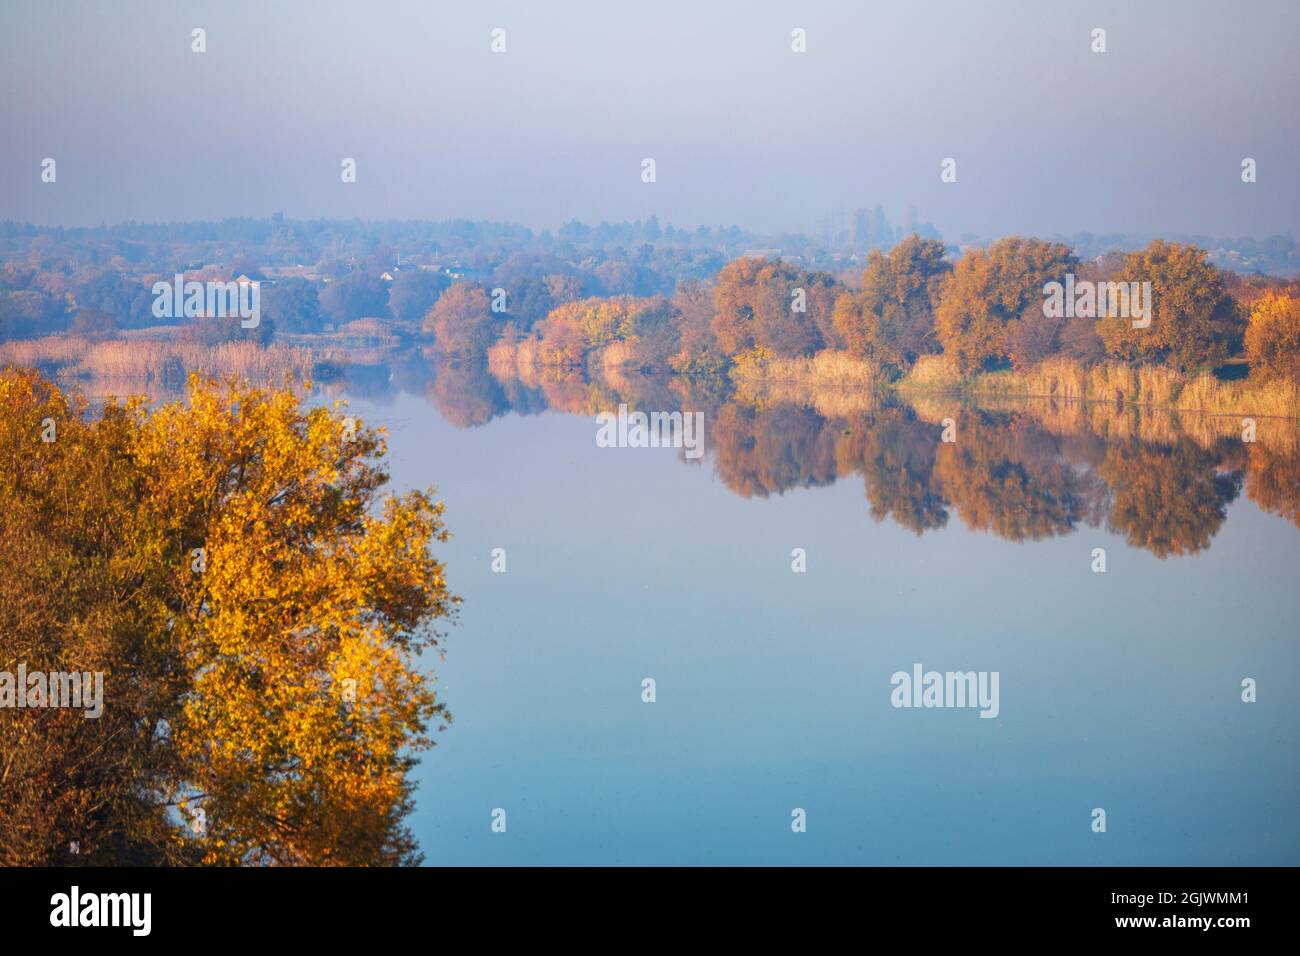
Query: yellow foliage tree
x=1273, y=337
x=284, y=605
x=988, y=292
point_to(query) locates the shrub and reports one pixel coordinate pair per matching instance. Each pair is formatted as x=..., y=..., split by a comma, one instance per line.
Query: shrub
x=1273, y=338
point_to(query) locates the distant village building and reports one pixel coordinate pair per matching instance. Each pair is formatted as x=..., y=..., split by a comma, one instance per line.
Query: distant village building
x=243, y=279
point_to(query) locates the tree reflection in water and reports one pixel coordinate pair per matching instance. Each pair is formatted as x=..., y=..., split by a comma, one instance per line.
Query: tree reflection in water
x=1023, y=471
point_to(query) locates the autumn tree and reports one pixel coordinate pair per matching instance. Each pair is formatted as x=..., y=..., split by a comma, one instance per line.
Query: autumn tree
x=258, y=609
x=1044, y=333
x=1194, y=322
x=772, y=307
x=890, y=319
x=988, y=293
x=462, y=321
x=697, y=348
x=643, y=327
x=650, y=335
x=1273, y=338
x=82, y=584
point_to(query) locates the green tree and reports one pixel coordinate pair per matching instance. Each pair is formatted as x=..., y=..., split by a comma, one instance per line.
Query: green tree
x=413, y=292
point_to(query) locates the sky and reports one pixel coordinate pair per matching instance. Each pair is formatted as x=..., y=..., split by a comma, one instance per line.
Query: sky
x=1049, y=137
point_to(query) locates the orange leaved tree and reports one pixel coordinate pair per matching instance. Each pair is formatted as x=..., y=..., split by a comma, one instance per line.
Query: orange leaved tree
x=258, y=610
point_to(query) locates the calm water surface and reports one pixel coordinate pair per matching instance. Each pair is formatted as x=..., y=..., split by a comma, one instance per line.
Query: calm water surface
x=1119, y=690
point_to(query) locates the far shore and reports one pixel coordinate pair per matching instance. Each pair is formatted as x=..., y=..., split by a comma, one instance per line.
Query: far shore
x=830, y=381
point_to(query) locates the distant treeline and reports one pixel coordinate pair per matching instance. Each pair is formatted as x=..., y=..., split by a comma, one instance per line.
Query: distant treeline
x=318, y=275
x=984, y=311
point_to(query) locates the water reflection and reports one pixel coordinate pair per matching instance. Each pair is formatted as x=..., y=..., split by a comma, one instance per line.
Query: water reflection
x=626, y=565
x=1023, y=471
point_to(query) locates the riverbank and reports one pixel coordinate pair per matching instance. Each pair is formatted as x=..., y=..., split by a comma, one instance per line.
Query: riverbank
x=1155, y=386
x=835, y=379
x=149, y=364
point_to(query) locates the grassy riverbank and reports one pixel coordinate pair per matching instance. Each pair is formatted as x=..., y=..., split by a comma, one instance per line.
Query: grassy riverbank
x=1157, y=386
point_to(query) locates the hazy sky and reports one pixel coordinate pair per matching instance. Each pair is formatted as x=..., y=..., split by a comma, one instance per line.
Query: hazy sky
x=1049, y=136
